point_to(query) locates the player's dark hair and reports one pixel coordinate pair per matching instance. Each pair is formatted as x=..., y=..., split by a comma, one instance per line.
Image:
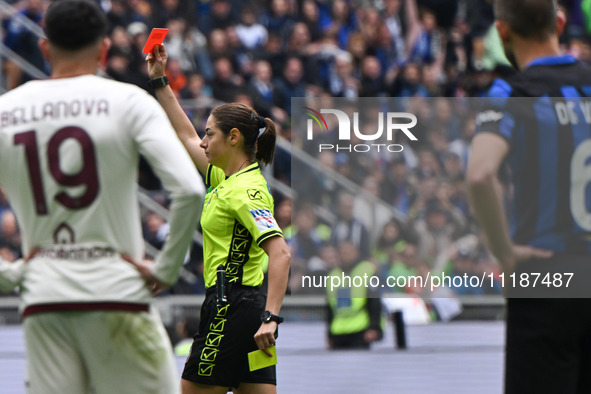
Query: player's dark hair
x=259, y=133
x=533, y=19
x=75, y=24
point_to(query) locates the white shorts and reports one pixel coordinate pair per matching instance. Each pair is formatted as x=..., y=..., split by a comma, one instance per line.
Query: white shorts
x=104, y=351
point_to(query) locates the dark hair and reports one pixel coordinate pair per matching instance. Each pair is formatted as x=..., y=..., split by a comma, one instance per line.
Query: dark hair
x=533, y=19
x=75, y=24
x=258, y=132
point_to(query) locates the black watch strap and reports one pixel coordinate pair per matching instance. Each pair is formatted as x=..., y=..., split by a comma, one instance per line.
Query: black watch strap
x=267, y=316
x=159, y=82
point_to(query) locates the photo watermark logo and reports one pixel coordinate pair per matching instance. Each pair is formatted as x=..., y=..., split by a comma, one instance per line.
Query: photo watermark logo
x=388, y=123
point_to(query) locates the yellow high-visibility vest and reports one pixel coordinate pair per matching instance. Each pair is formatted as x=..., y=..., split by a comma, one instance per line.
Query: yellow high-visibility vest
x=348, y=304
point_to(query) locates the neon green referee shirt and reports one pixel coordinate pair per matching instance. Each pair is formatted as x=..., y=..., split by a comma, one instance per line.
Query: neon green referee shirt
x=237, y=216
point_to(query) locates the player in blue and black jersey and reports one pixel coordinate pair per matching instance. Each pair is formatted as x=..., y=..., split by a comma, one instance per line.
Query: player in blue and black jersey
x=538, y=126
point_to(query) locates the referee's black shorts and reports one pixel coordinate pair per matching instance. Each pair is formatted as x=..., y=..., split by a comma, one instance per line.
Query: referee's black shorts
x=549, y=339
x=226, y=336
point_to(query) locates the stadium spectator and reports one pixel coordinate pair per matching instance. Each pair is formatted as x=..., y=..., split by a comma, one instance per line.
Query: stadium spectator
x=156, y=230
x=343, y=22
x=428, y=164
x=196, y=88
x=289, y=84
x=358, y=49
x=452, y=166
x=118, y=66
x=23, y=42
x=279, y=19
x=218, y=45
x=261, y=90
x=391, y=238
x=226, y=83
x=167, y=10
x=340, y=81
x=444, y=195
x=373, y=216
x=218, y=14
x=317, y=268
x=188, y=45
x=176, y=76
x=310, y=16
x=426, y=48
x=435, y=230
x=370, y=24
x=283, y=214
x=465, y=264
x=445, y=116
x=138, y=34
x=399, y=186
x=77, y=210
x=409, y=82
x=396, y=30
x=251, y=34
x=307, y=235
x=142, y=11
x=405, y=263
x=372, y=83
x=242, y=56
x=123, y=13
x=299, y=45
x=118, y=14
x=350, y=228
x=461, y=145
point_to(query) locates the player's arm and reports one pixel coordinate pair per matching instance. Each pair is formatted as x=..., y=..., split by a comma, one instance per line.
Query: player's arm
x=11, y=274
x=486, y=155
x=156, y=141
x=182, y=125
x=279, y=262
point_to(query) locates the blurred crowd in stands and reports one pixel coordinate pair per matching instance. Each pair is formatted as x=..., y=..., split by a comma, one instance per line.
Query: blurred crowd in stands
x=263, y=53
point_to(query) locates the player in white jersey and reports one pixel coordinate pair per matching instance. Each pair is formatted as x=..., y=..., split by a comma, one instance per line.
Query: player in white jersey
x=69, y=153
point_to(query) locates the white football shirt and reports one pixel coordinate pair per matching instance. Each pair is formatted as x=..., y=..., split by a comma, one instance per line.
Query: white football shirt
x=69, y=152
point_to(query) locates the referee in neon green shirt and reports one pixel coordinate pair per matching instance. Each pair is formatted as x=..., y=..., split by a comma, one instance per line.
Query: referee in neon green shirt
x=238, y=229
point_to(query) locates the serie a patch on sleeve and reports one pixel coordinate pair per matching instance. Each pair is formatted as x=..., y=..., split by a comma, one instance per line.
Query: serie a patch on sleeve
x=264, y=219
x=488, y=116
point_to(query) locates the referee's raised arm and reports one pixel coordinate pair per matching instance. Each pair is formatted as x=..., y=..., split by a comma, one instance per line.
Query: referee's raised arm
x=182, y=125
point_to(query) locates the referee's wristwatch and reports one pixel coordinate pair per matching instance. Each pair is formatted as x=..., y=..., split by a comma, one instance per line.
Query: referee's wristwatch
x=159, y=82
x=267, y=316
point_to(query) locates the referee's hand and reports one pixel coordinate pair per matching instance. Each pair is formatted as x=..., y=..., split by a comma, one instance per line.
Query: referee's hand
x=265, y=336
x=157, y=62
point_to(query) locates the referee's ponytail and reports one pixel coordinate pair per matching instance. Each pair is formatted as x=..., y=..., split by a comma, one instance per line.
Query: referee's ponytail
x=259, y=133
x=265, y=143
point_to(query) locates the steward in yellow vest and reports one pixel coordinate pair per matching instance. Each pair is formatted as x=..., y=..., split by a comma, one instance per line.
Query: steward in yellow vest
x=354, y=312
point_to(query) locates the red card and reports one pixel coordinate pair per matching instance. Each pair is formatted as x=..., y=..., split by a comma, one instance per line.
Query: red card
x=156, y=38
